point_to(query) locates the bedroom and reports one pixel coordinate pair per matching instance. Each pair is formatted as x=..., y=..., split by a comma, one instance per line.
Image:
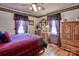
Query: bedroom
x=19, y=22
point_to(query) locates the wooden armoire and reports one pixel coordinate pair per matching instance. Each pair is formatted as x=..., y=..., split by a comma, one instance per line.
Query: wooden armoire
x=70, y=36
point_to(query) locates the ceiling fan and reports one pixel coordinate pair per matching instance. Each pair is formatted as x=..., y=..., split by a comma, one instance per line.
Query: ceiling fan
x=34, y=6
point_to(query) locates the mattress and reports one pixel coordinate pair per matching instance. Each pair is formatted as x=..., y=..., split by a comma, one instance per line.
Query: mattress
x=19, y=43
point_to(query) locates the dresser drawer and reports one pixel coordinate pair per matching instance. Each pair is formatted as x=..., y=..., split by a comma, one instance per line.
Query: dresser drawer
x=64, y=46
x=74, y=49
x=70, y=48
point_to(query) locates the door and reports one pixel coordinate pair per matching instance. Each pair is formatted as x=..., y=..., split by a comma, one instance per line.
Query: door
x=76, y=31
x=76, y=34
x=67, y=30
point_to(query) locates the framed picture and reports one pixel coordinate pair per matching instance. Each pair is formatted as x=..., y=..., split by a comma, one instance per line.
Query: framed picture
x=31, y=22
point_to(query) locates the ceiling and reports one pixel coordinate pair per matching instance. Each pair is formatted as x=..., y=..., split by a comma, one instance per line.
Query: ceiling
x=48, y=7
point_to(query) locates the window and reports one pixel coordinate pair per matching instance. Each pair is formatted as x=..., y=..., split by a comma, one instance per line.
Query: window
x=21, y=23
x=20, y=29
x=54, y=30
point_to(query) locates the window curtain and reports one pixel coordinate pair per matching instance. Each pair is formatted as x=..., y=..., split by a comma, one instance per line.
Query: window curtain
x=55, y=27
x=56, y=19
x=54, y=23
x=18, y=19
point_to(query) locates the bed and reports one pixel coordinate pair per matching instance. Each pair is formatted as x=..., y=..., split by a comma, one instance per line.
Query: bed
x=22, y=45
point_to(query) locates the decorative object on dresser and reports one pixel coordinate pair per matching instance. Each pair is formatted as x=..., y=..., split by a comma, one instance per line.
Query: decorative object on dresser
x=70, y=36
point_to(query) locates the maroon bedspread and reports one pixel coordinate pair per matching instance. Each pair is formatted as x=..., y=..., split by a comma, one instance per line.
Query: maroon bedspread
x=21, y=45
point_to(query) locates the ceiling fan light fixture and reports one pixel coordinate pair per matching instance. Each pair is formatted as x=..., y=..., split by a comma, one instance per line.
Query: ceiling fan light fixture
x=34, y=7
x=39, y=8
x=30, y=8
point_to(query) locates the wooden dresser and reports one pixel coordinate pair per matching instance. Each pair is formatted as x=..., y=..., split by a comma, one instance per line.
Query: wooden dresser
x=70, y=36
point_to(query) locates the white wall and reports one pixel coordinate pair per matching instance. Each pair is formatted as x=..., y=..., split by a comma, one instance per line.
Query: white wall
x=36, y=21
x=7, y=22
x=70, y=15
x=45, y=17
x=32, y=27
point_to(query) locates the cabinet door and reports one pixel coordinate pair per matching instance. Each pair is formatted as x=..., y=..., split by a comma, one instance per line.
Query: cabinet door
x=66, y=31
x=76, y=31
